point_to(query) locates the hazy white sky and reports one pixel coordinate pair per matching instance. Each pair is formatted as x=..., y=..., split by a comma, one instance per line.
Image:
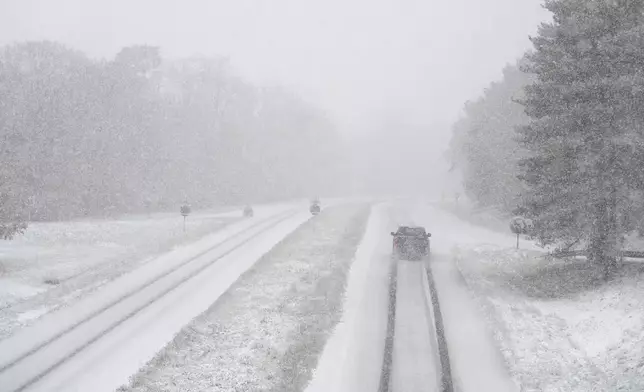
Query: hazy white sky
x=363, y=60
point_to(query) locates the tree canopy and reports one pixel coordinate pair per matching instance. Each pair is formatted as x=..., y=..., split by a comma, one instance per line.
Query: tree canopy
x=484, y=145
x=564, y=139
x=585, y=131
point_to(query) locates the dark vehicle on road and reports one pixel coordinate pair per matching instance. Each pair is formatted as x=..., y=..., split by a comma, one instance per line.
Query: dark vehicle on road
x=411, y=242
x=248, y=212
x=315, y=208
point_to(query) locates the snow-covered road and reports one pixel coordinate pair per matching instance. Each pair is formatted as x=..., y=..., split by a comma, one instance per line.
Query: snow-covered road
x=477, y=364
x=354, y=356
x=97, y=343
x=414, y=356
x=475, y=359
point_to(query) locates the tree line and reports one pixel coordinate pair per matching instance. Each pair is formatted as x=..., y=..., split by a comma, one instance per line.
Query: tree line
x=484, y=143
x=85, y=137
x=561, y=138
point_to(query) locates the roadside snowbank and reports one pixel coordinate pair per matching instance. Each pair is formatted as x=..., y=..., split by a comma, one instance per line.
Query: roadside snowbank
x=561, y=328
x=267, y=331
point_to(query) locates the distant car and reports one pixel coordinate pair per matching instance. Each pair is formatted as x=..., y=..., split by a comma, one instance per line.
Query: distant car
x=248, y=212
x=314, y=209
x=411, y=242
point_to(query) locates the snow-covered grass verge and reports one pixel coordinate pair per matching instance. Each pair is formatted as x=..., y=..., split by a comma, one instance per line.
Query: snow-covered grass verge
x=267, y=331
x=55, y=263
x=558, y=325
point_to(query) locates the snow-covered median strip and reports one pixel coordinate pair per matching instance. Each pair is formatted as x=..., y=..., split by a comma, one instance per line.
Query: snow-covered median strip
x=267, y=331
x=559, y=326
x=352, y=357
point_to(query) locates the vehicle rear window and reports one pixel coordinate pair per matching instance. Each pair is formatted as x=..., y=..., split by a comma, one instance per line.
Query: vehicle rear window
x=415, y=231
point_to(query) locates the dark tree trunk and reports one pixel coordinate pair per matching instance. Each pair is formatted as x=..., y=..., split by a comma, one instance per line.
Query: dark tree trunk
x=603, y=250
x=597, y=236
x=612, y=245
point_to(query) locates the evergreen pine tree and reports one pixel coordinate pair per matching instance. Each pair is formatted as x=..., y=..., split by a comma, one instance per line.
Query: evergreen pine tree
x=586, y=125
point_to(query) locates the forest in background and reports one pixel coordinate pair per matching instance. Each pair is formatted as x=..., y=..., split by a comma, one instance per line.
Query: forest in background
x=84, y=137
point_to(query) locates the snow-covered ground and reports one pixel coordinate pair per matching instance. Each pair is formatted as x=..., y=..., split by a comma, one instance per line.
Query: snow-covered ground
x=561, y=328
x=56, y=263
x=97, y=343
x=558, y=326
x=267, y=331
x=513, y=319
x=353, y=356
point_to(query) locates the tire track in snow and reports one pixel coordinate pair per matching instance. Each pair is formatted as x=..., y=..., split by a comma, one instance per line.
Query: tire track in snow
x=443, y=353
x=385, y=375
